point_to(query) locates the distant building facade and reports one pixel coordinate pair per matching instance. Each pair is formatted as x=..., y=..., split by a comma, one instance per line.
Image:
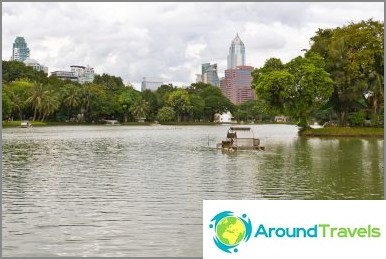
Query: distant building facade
x=65, y=75
x=35, y=65
x=84, y=74
x=236, y=85
x=20, y=52
x=209, y=74
x=80, y=74
x=151, y=83
x=236, y=56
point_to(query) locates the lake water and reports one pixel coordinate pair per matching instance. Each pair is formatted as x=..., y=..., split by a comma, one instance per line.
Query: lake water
x=138, y=191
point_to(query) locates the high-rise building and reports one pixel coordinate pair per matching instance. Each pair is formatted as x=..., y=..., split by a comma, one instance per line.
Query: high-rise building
x=209, y=74
x=236, y=85
x=151, y=83
x=236, y=55
x=20, y=52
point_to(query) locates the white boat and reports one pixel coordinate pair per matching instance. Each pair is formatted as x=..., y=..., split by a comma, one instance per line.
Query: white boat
x=25, y=124
x=240, y=138
x=112, y=122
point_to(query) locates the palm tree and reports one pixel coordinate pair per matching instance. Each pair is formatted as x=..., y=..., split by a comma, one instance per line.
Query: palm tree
x=49, y=103
x=36, y=97
x=71, y=99
x=140, y=108
x=16, y=104
x=85, y=100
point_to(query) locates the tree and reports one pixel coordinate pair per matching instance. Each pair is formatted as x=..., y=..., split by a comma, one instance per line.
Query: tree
x=19, y=91
x=197, y=88
x=295, y=89
x=126, y=100
x=217, y=104
x=140, y=108
x=49, y=104
x=215, y=101
x=71, y=98
x=163, y=93
x=313, y=86
x=91, y=95
x=6, y=104
x=354, y=58
x=14, y=70
x=36, y=98
x=179, y=101
x=166, y=114
x=152, y=100
x=198, y=106
x=109, y=82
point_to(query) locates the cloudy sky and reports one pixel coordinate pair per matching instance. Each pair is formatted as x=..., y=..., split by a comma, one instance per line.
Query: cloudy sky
x=169, y=40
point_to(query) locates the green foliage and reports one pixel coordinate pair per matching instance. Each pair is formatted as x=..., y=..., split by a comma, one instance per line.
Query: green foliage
x=14, y=70
x=214, y=100
x=198, y=106
x=71, y=98
x=357, y=119
x=297, y=88
x=253, y=110
x=140, y=108
x=109, y=82
x=180, y=102
x=151, y=98
x=354, y=56
x=166, y=114
x=6, y=105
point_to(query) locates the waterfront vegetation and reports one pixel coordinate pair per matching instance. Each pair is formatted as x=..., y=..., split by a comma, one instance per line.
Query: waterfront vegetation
x=343, y=131
x=339, y=80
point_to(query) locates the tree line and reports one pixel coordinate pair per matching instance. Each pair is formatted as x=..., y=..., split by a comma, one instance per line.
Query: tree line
x=29, y=94
x=341, y=77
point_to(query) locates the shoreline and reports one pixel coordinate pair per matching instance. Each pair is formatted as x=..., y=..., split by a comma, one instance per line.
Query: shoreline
x=336, y=132
x=16, y=124
x=344, y=132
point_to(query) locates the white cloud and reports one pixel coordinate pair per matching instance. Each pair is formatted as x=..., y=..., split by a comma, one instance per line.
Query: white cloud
x=168, y=40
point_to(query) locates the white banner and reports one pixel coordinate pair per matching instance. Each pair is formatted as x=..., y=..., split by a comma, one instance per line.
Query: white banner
x=294, y=229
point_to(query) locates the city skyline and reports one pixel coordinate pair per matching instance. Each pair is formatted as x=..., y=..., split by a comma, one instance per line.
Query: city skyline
x=169, y=40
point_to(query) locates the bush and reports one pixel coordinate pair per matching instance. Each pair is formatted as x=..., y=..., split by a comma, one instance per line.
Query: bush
x=357, y=119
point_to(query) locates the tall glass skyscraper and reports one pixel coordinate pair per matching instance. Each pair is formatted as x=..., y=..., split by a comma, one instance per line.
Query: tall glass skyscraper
x=20, y=52
x=236, y=55
x=209, y=74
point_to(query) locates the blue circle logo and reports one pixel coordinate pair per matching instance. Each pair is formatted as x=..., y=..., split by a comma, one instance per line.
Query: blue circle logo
x=230, y=230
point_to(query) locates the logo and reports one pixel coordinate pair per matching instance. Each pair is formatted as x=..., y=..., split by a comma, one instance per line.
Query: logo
x=230, y=230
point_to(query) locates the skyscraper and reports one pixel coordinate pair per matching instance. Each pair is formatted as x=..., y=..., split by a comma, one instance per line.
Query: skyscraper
x=236, y=85
x=20, y=52
x=209, y=74
x=236, y=55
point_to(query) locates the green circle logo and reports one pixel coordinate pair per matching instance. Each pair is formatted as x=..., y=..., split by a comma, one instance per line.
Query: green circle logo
x=230, y=230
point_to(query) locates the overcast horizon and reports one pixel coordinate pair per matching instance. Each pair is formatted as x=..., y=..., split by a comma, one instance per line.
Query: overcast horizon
x=169, y=40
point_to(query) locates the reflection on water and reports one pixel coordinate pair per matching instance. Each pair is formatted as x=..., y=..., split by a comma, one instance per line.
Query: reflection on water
x=138, y=191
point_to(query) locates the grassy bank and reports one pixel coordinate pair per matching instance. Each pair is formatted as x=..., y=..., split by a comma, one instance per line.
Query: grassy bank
x=343, y=132
x=59, y=123
x=17, y=123
x=188, y=123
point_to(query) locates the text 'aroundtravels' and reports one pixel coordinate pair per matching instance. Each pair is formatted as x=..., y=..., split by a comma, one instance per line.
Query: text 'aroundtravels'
x=318, y=230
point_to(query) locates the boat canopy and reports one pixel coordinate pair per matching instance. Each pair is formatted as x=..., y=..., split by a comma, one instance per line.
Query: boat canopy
x=240, y=132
